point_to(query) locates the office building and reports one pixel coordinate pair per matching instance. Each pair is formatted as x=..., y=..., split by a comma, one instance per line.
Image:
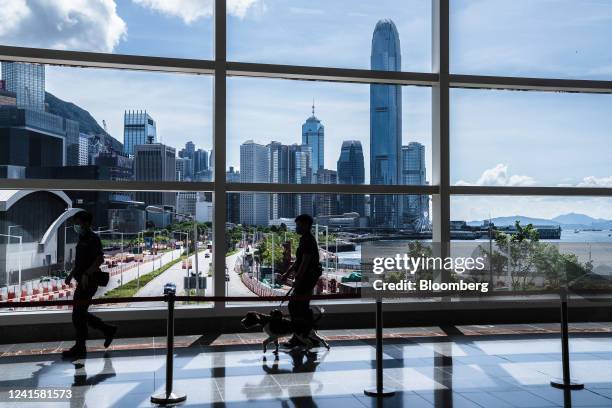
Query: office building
x=385, y=124
x=233, y=199
x=138, y=129
x=289, y=164
x=155, y=162
x=313, y=135
x=184, y=169
x=326, y=204
x=32, y=138
x=27, y=82
x=254, y=168
x=200, y=161
x=186, y=202
x=415, y=208
x=120, y=166
x=351, y=170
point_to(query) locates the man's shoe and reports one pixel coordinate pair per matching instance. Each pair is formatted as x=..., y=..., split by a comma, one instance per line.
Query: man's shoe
x=75, y=352
x=109, y=335
x=292, y=343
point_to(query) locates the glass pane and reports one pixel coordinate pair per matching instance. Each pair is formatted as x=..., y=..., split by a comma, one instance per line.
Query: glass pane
x=261, y=226
x=302, y=132
x=145, y=245
x=555, y=38
x=537, y=243
x=383, y=35
x=139, y=27
x=509, y=138
x=102, y=124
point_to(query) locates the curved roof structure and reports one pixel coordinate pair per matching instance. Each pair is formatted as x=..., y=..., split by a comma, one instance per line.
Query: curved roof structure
x=9, y=197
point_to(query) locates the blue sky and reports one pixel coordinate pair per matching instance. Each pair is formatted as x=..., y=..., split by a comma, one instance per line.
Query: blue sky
x=497, y=137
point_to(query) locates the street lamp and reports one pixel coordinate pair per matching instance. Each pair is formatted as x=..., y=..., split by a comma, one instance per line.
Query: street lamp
x=158, y=210
x=20, y=237
x=326, y=242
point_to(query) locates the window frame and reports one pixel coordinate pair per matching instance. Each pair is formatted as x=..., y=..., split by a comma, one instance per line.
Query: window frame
x=440, y=80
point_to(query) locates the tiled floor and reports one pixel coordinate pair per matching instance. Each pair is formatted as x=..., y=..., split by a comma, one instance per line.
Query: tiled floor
x=425, y=366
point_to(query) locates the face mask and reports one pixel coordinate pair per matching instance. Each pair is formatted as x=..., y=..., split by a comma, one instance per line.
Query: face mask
x=77, y=229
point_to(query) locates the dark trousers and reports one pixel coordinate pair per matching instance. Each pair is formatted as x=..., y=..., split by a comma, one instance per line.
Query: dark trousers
x=81, y=317
x=299, y=309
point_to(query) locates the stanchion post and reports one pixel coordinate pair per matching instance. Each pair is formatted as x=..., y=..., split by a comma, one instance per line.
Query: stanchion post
x=169, y=397
x=566, y=382
x=380, y=390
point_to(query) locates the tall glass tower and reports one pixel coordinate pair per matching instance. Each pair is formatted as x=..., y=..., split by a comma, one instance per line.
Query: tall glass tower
x=27, y=81
x=313, y=135
x=415, y=208
x=138, y=128
x=385, y=125
x=351, y=170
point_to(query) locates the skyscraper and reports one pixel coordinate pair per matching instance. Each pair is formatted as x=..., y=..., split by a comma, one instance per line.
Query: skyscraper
x=233, y=199
x=27, y=81
x=155, y=162
x=351, y=170
x=200, y=161
x=138, y=129
x=326, y=203
x=415, y=208
x=254, y=168
x=385, y=124
x=313, y=135
x=289, y=164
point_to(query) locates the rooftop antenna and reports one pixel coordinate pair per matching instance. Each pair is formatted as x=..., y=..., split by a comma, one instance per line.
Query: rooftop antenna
x=313, y=107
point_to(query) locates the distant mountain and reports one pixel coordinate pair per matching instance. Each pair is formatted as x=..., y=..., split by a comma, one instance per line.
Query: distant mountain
x=504, y=221
x=68, y=110
x=566, y=221
x=573, y=218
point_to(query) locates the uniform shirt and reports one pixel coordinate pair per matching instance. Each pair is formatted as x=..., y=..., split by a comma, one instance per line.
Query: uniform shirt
x=88, y=249
x=308, y=245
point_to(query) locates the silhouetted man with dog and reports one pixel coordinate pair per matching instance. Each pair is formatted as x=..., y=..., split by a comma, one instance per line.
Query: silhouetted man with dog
x=307, y=271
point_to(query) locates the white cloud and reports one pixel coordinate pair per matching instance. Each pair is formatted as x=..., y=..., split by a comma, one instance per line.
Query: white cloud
x=192, y=10
x=90, y=25
x=592, y=181
x=498, y=176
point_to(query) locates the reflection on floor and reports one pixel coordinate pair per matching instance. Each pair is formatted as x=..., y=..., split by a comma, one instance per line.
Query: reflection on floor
x=473, y=369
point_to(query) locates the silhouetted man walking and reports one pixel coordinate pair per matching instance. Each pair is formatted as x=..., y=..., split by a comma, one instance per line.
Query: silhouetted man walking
x=88, y=258
x=307, y=271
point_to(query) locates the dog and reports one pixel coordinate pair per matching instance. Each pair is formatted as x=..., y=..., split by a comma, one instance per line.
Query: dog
x=275, y=325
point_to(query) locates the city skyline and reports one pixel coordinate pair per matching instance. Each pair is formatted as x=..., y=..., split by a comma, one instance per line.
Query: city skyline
x=474, y=159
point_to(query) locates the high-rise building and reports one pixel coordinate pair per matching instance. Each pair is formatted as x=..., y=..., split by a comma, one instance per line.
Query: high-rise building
x=351, y=170
x=200, y=161
x=385, y=125
x=155, y=162
x=186, y=202
x=254, y=168
x=138, y=129
x=326, y=203
x=233, y=199
x=313, y=135
x=27, y=81
x=289, y=164
x=120, y=166
x=183, y=169
x=415, y=208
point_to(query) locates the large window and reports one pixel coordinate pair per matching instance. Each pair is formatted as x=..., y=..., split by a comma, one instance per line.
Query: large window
x=333, y=33
x=548, y=39
x=198, y=116
x=145, y=244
